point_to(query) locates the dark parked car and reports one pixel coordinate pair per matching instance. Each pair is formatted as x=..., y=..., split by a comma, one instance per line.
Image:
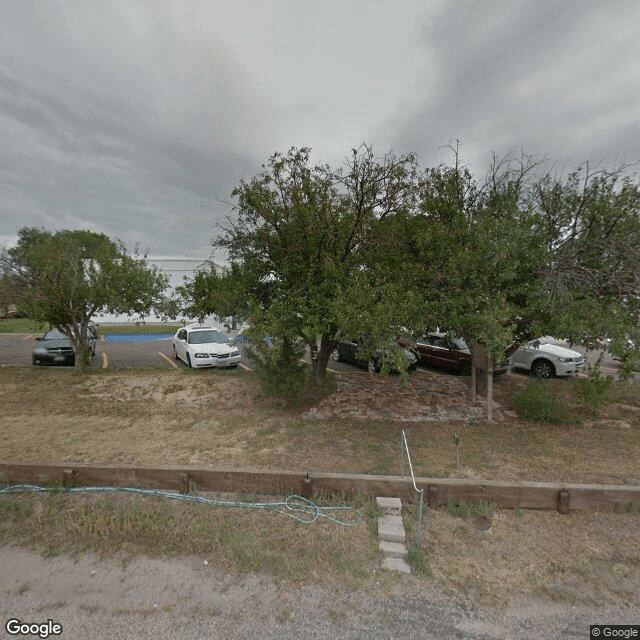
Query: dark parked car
x=448, y=352
x=347, y=350
x=56, y=348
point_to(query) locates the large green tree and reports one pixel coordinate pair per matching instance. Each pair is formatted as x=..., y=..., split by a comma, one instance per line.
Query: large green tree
x=378, y=247
x=297, y=242
x=590, y=286
x=65, y=278
x=525, y=252
x=471, y=250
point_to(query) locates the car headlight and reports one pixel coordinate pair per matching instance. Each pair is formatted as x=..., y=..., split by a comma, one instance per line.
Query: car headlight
x=564, y=359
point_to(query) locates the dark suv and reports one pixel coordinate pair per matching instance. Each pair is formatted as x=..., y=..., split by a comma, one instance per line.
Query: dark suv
x=347, y=350
x=441, y=350
x=56, y=348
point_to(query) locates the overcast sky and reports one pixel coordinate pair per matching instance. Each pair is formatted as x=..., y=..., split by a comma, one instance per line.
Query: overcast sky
x=137, y=118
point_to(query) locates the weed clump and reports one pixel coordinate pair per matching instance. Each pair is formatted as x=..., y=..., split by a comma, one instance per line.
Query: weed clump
x=594, y=391
x=537, y=403
x=279, y=368
x=462, y=509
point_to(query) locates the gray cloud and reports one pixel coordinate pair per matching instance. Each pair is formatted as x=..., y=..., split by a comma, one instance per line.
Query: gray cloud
x=554, y=78
x=138, y=118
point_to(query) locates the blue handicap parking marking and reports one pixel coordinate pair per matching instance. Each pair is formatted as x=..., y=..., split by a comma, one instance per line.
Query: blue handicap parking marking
x=136, y=337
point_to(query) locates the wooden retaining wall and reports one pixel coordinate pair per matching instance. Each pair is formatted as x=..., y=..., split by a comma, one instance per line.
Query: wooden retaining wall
x=526, y=495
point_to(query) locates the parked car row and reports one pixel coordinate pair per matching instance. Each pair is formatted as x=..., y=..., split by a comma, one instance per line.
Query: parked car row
x=202, y=346
x=541, y=357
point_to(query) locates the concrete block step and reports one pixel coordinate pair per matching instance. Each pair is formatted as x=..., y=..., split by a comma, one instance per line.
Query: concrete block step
x=391, y=529
x=390, y=506
x=393, y=549
x=396, y=564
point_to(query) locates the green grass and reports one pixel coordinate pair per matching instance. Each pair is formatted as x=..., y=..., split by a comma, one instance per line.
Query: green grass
x=21, y=325
x=138, y=329
x=462, y=509
x=25, y=325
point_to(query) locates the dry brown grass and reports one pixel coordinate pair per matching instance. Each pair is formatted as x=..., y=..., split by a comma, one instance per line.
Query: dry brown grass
x=591, y=558
x=213, y=418
x=240, y=539
x=217, y=418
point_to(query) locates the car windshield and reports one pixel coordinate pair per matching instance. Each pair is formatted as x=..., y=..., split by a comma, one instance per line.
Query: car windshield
x=54, y=334
x=206, y=337
x=540, y=341
x=459, y=343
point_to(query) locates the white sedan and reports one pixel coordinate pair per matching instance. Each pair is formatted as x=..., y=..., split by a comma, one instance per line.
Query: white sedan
x=201, y=346
x=545, y=359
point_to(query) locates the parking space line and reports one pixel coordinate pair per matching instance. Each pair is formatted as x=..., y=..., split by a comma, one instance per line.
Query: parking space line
x=244, y=366
x=431, y=371
x=105, y=360
x=168, y=359
x=328, y=368
x=27, y=337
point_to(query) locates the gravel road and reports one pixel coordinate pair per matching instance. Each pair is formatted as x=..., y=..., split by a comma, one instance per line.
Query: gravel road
x=185, y=599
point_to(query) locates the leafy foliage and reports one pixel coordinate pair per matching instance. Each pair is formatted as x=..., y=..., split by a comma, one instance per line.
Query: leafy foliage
x=537, y=402
x=279, y=367
x=378, y=248
x=594, y=390
x=591, y=281
x=65, y=278
x=298, y=246
x=476, y=250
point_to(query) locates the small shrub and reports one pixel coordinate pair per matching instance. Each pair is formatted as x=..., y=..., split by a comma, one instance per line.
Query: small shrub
x=537, y=403
x=279, y=368
x=594, y=390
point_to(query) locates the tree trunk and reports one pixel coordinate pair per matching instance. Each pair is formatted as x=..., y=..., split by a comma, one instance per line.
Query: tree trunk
x=313, y=353
x=326, y=343
x=83, y=356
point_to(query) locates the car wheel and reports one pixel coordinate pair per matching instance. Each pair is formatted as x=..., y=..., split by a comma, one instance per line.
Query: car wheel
x=543, y=369
x=335, y=354
x=371, y=366
x=188, y=360
x=175, y=353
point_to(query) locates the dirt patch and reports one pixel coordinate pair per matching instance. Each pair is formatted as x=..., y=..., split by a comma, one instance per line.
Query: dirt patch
x=424, y=397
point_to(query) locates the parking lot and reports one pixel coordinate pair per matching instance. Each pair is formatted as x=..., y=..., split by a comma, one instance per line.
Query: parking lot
x=126, y=351
x=117, y=352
